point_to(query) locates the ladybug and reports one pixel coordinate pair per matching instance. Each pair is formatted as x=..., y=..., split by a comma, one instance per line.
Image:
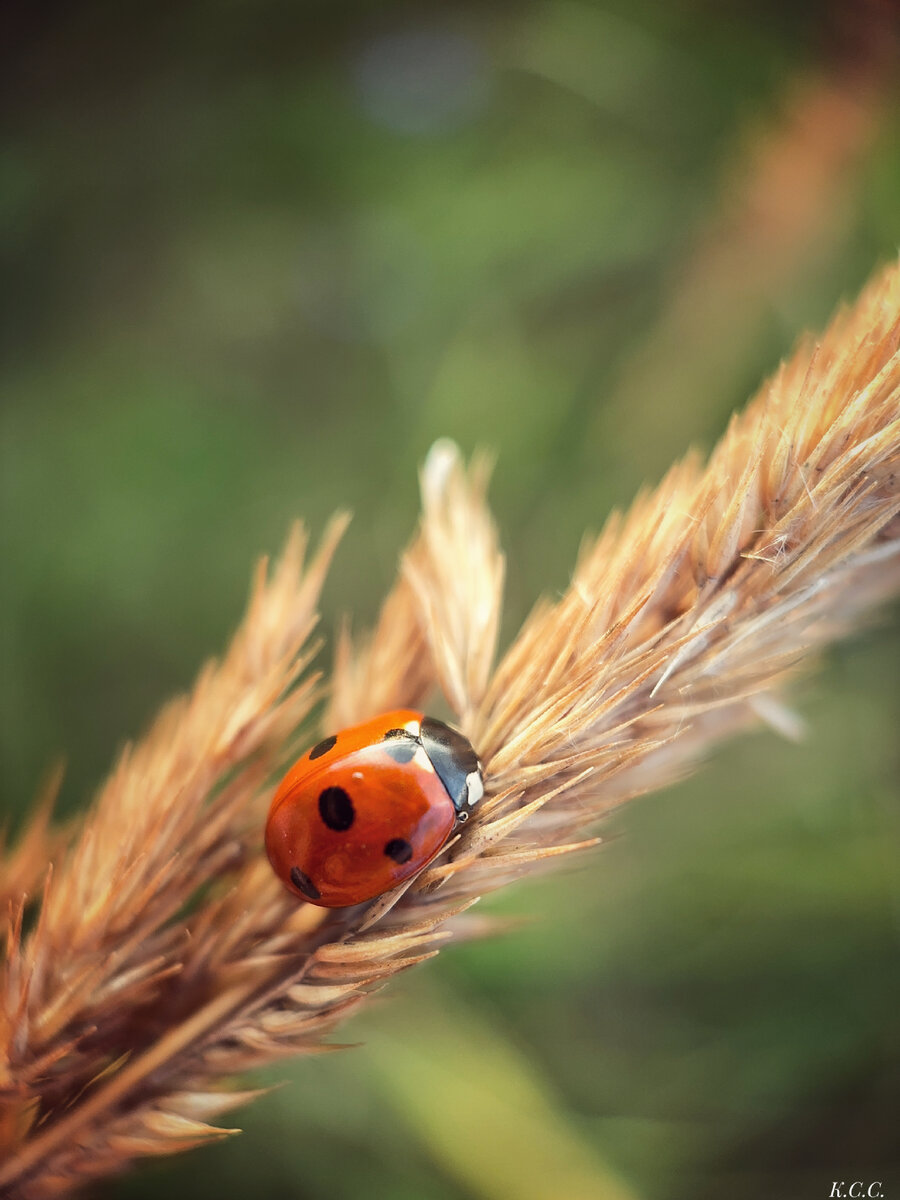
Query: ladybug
x=366, y=808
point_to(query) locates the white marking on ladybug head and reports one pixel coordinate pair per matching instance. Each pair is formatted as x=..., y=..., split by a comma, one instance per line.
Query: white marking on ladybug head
x=414, y=727
x=421, y=759
x=474, y=787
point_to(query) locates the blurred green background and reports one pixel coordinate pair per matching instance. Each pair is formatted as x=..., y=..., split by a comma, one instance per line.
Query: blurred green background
x=257, y=256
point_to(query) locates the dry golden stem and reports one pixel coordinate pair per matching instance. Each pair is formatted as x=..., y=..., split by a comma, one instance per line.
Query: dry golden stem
x=781, y=211
x=166, y=958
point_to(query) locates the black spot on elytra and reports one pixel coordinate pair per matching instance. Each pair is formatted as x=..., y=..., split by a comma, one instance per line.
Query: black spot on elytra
x=400, y=744
x=304, y=884
x=336, y=809
x=322, y=748
x=399, y=850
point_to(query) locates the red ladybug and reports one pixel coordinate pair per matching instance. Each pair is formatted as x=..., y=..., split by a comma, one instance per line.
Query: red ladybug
x=368, y=807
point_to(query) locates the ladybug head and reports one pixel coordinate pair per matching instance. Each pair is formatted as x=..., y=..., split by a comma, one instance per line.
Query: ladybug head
x=455, y=763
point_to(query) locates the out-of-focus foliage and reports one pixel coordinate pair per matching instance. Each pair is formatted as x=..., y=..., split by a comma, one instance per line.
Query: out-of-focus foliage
x=256, y=258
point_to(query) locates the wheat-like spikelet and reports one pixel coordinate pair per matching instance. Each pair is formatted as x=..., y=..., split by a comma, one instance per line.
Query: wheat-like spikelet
x=165, y=958
x=23, y=867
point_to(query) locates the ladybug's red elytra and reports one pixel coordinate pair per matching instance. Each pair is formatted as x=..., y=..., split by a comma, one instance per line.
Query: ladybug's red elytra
x=367, y=808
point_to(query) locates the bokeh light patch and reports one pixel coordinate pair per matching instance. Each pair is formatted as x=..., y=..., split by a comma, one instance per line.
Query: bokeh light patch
x=422, y=81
